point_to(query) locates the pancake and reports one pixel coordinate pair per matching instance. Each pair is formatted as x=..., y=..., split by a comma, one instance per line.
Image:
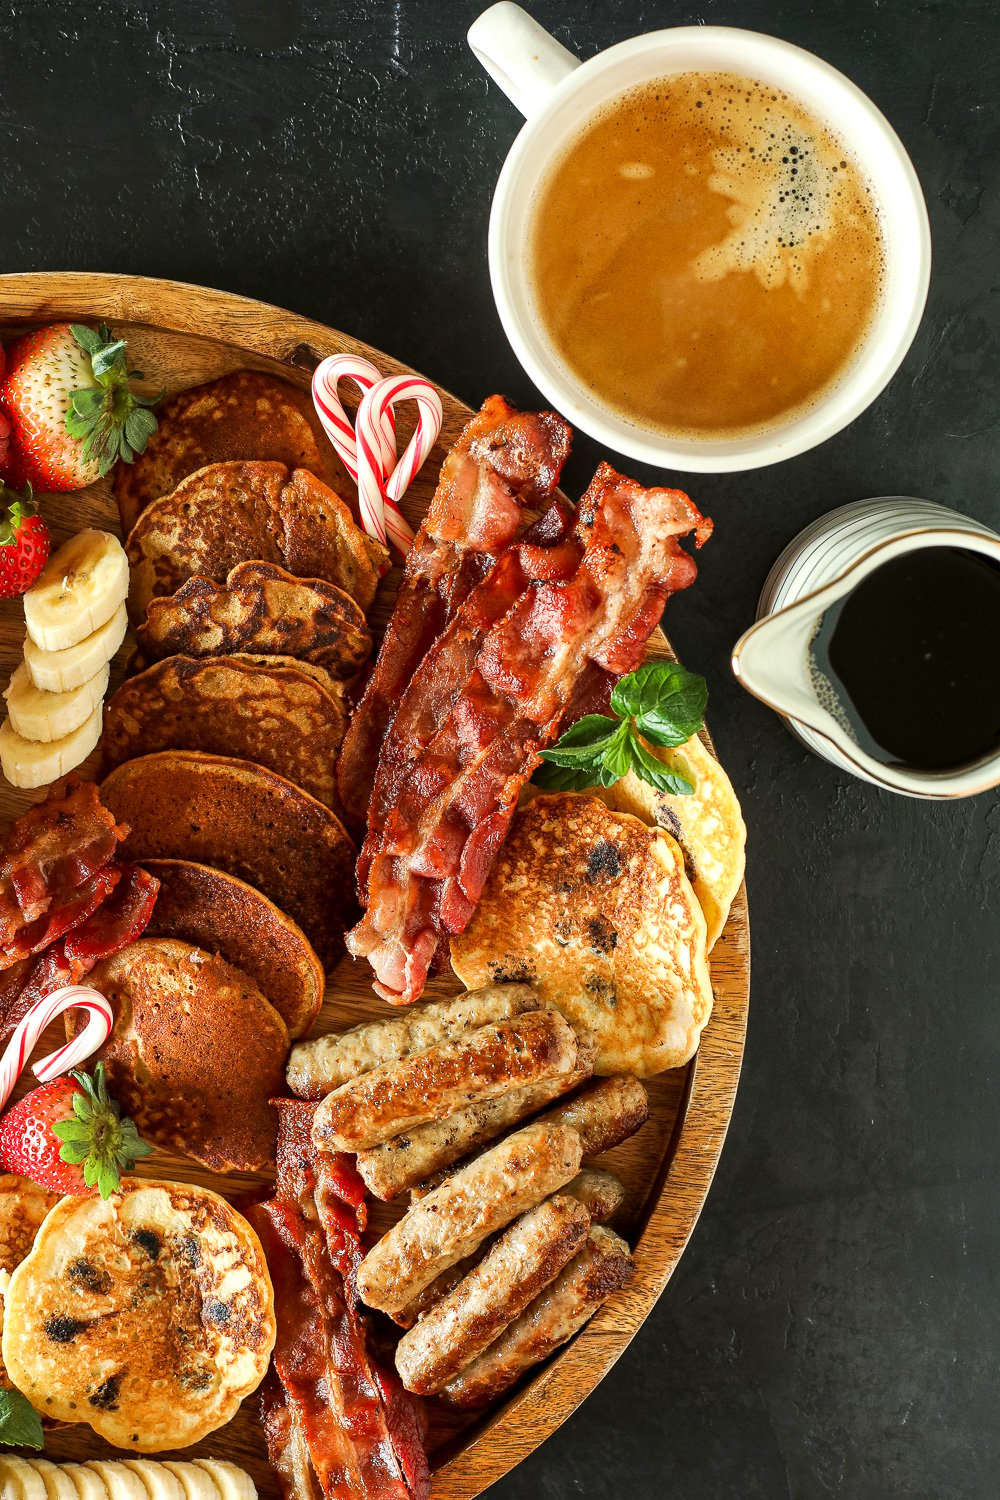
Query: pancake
x=263, y=609
x=708, y=825
x=239, y=512
x=244, y=415
x=286, y=715
x=23, y=1206
x=195, y=1054
x=593, y=909
x=240, y=818
x=149, y=1315
x=226, y=916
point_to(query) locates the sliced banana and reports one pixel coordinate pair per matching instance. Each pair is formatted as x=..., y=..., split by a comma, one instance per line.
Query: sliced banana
x=86, y=1484
x=159, y=1482
x=78, y=590
x=38, y=715
x=61, y=671
x=27, y=763
x=120, y=1482
x=58, y=1485
x=18, y=1480
x=234, y=1483
x=196, y=1483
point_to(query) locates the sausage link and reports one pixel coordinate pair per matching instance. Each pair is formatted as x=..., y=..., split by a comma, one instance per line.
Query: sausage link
x=432, y=1085
x=525, y=1258
x=605, y=1113
x=476, y=1201
x=602, y=1267
x=411, y=1158
x=315, y=1067
x=601, y=1193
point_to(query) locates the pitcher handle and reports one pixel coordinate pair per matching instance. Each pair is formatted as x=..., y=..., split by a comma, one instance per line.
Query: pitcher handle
x=520, y=55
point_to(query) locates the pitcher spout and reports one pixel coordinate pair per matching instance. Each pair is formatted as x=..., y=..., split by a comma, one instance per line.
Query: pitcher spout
x=773, y=661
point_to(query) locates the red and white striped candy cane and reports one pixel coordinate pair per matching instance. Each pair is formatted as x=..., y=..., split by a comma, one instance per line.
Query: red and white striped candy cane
x=100, y=1019
x=337, y=426
x=376, y=484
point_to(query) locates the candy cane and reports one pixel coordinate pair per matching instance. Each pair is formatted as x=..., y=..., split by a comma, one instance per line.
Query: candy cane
x=100, y=1019
x=375, y=483
x=337, y=424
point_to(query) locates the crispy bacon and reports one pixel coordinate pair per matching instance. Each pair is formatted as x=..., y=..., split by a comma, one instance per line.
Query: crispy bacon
x=55, y=847
x=361, y=1434
x=503, y=461
x=64, y=913
x=523, y=644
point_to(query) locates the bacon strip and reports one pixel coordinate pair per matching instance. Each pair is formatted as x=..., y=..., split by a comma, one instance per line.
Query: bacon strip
x=503, y=461
x=361, y=1434
x=55, y=847
x=530, y=640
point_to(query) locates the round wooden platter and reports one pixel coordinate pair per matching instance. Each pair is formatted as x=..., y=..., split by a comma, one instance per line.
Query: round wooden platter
x=181, y=335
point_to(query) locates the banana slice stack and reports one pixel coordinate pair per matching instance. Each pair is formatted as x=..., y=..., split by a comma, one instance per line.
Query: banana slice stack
x=125, y=1479
x=75, y=616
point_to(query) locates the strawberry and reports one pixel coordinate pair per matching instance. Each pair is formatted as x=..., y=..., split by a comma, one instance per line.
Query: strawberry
x=72, y=413
x=24, y=542
x=76, y=1111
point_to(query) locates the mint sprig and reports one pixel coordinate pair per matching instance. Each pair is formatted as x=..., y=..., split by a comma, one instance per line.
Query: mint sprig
x=20, y=1424
x=660, y=704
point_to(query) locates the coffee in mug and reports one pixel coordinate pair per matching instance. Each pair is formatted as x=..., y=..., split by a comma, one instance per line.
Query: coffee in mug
x=706, y=256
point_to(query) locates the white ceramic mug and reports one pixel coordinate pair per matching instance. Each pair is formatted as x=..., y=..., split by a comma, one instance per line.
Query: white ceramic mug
x=558, y=95
x=819, y=567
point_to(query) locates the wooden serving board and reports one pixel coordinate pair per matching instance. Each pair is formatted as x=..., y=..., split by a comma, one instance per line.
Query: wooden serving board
x=181, y=335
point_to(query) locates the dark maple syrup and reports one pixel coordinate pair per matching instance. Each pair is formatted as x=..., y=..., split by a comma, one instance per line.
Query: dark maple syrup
x=912, y=656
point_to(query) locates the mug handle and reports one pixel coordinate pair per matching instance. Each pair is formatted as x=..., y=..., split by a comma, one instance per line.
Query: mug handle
x=519, y=55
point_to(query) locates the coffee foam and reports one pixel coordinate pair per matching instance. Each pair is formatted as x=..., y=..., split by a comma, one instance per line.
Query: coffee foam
x=787, y=186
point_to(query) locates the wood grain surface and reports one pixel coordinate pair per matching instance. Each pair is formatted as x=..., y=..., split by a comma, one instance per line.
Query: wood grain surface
x=181, y=335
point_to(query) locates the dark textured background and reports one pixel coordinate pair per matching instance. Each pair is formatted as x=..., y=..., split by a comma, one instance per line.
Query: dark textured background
x=832, y=1329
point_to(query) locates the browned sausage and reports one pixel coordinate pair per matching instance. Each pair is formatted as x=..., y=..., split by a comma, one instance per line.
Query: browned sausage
x=601, y=1193
x=476, y=1201
x=525, y=1258
x=603, y=1267
x=317, y=1066
x=412, y=1158
x=431, y=1085
x=605, y=1113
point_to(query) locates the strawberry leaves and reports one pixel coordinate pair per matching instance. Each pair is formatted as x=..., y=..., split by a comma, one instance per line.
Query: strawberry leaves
x=97, y=1138
x=110, y=420
x=660, y=704
x=18, y=507
x=20, y=1424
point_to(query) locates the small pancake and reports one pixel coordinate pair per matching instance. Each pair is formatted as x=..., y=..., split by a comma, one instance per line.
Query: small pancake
x=244, y=415
x=226, y=916
x=237, y=512
x=286, y=715
x=149, y=1315
x=195, y=1054
x=23, y=1206
x=247, y=821
x=707, y=824
x=593, y=909
x=263, y=609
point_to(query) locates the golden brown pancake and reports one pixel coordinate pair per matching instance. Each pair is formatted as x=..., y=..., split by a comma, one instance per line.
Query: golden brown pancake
x=247, y=821
x=707, y=823
x=226, y=916
x=286, y=715
x=593, y=909
x=195, y=1054
x=149, y=1315
x=245, y=415
x=23, y=1206
x=240, y=512
x=259, y=608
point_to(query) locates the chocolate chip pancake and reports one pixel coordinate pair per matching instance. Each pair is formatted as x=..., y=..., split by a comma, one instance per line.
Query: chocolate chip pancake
x=245, y=415
x=23, y=1206
x=286, y=715
x=149, y=1315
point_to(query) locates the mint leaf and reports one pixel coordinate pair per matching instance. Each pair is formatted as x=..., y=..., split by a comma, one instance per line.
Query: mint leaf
x=649, y=768
x=585, y=742
x=666, y=701
x=20, y=1424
